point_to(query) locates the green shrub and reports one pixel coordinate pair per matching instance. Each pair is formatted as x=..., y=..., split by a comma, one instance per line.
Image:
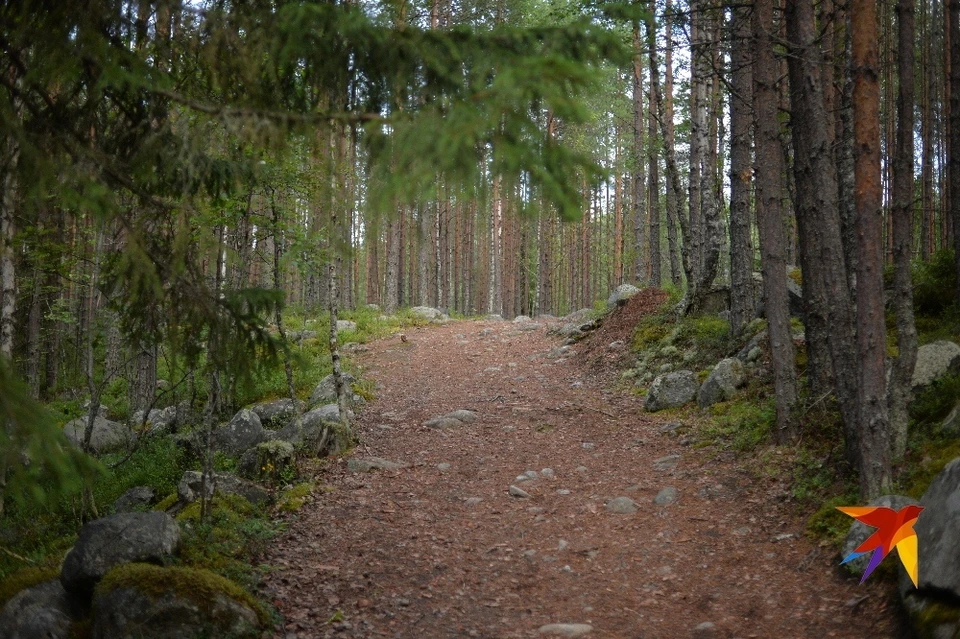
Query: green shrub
x=935, y=402
x=934, y=283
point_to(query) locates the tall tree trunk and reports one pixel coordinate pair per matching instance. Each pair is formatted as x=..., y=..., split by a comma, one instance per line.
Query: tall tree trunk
x=900, y=386
x=617, y=212
x=953, y=153
x=826, y=290
x=741, y=105
x=674, y=211
x=698, y=143
x=278, y=285
x=768, y=169
x=653, y=170
x=871, y=330
x=926, y=135
x=392, y=294
x=641, y=261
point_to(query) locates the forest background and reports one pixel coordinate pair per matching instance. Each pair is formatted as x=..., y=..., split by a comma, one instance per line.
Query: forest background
x=178, y=176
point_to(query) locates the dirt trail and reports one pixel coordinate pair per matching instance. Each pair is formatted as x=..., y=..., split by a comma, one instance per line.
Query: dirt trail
x=435, y=551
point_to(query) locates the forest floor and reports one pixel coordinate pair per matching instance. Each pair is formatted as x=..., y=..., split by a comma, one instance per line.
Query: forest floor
x=439, y=548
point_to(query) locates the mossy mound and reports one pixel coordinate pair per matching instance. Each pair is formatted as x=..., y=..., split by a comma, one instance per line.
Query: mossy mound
x=293, y=498
x=200, y=587
x=23, y=579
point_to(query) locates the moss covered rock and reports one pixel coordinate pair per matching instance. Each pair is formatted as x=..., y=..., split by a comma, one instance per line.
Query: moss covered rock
x=268, y=461
x=43, y=610
x=151, y=602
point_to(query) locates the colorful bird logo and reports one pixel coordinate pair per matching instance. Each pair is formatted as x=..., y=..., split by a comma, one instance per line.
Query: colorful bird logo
x=894, y=528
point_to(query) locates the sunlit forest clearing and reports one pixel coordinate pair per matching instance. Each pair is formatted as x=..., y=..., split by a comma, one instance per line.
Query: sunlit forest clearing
x=495, y=318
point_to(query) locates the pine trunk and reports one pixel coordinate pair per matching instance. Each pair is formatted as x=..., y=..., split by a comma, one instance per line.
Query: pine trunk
x=900, y=386
x=768, y=169
x=741, y=107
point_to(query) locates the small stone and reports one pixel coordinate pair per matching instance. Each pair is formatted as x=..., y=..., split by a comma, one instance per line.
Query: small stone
x=667, y=495
x=562, y=544
x=566, y=629
x=705, y=630
x=567, y=569
x=355, y=465
x=472, y=501
x=563, y=491
x=588, y=445
x=666, y=463
x=443, y=467
x=531, y=474
x=547, y=473
x=742, y=531
x=518, y=492
x=622, y=506
x=529, y=554
x=521, y=478
x=581, y=469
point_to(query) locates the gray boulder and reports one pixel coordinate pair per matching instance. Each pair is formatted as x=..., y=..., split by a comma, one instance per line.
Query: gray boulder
x=45, y=610
x=569, y=330
x=519, y=319
x=727, y=376
x=579, y=316
x=860, y=532
x=621, y=294
x=751, y=349
x=242, y=432
x=189, y=488
x=318, y=430
x=671, y=390
x=428, y=312
x=267, y=461
x=453, y=419
x=935, y=360
x=346, y=325
x=105, y=543
x=938, y=533
x=136, y=498
x=276, y=413
x=160, y=421
x=326, y=391
x=108, y=436
x=172, y=603
x=493, y=317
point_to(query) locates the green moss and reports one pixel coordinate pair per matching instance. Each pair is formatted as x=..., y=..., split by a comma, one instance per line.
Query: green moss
x=166, y=502
x=743, y=423
x=224, y=505
x=796, y=275
x=292, y=499
x=933, y=456
x=828, y=523
x=929, y=615
x=23, y=579
x=194, y=584
x=934, y=403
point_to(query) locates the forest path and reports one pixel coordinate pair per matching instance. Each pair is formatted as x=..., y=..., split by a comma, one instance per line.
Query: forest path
x=436, y=551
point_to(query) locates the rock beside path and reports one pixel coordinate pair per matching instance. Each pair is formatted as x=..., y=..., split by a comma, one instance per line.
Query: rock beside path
x=242, y=432
x=622, y=506
x=667, y=495
x=722, y=384
x=150, y=602
x=453, y=419
x=189, y=488
x=276, y=413
x=326, y=391
x=671, y=390
x=45, y=610
x=428, y=313
x=108, y=542
x=621, y=294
